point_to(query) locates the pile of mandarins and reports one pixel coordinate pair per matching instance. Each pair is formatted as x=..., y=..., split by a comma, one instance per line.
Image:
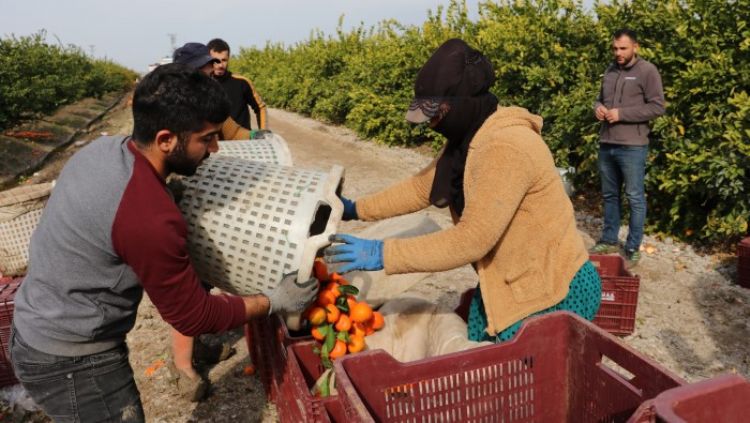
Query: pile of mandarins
x=339, y=322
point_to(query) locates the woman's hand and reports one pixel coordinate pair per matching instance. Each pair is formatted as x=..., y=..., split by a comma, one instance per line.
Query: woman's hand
x=356, y=253
x=350, y=209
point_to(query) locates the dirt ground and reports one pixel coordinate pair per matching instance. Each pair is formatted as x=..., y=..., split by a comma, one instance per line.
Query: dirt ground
x=691, y=317
x=27, y=146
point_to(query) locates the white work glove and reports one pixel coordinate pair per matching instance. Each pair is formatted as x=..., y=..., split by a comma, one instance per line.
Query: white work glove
x=291, y=296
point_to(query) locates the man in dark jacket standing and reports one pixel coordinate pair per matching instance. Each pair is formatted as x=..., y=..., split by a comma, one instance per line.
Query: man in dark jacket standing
x=239, y=89
x=631, y=95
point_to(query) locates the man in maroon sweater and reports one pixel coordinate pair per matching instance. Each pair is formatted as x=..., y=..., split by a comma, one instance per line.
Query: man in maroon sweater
x=111, y=230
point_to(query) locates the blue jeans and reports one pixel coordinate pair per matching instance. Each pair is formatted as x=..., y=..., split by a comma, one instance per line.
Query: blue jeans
x=93, y=388
x=620, y=164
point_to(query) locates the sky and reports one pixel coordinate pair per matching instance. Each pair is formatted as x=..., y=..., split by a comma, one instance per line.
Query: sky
x=135, y=33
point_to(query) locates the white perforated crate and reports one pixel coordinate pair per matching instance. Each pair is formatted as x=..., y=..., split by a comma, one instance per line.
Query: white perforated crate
x=249, y=223
x=20, y=211
x=271, y=149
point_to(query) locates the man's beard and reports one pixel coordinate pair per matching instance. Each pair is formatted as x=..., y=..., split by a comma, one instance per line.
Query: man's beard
x=626, y=60
x=178, y=161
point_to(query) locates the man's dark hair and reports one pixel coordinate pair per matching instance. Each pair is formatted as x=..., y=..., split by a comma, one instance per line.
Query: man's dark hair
x=178, y=98
x=626, y=32
x=218, y=45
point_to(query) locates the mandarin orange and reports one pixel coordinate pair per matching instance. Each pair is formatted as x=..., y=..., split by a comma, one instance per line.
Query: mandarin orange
x=361, y=312
x=333, y=313
x=339, y=349
x=316, y=316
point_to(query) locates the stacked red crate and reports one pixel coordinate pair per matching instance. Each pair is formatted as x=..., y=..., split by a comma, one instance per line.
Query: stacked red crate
x=619, y=295
x=616, y=314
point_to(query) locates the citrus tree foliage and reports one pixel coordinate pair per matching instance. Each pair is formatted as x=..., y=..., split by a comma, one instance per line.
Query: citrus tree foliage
x=549, y=56
x=36, y=77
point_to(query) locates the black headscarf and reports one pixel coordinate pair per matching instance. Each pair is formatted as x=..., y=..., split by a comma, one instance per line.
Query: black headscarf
x=462, y=77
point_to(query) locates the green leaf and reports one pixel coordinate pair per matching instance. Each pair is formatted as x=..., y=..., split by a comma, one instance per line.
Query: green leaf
x=325, y=356
x=349, y=290
x=330, y=340
x=343, y=336
x=325, y=388
x=342, y=304
x=322, y=387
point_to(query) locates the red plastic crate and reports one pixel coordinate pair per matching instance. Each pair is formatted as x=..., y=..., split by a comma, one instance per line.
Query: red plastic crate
x=267, y=339
x=554, y=370
x=620, y=288
x=743, y=263
x=7, y=376
x=616, y=313
x=8, y=288
x=724, y=399
x=7, y=303
x=295, y=403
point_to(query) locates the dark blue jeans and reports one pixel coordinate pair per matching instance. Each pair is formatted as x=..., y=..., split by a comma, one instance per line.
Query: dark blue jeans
x=618, y=165
x=93, y=388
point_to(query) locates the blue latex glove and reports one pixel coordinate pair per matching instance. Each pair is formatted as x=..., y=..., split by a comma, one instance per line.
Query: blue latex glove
x=350, y=209
x=356, y=253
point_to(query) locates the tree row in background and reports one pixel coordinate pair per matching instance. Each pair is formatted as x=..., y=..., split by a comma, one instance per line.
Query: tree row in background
x=36, y=77
x=549, y=56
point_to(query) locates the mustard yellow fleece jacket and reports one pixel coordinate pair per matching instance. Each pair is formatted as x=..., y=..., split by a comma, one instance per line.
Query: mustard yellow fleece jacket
x=518, y=227
x=231, y=130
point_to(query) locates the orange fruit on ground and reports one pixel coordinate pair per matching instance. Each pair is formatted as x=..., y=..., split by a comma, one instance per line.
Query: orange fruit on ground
x=358, y=329
x=326, y=297
x=356, y=344
x=249, y=370
x=320, y=270
x=361, y=312
x=377, y=320
x=339, y=349
x=344, y=323
x=315, y=332
x=333, y=313
x=316, y=316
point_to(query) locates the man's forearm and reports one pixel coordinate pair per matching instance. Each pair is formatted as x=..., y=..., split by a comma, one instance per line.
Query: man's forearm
x=256, y=306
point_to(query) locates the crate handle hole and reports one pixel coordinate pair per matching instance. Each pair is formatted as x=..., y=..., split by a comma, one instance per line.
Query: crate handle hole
x=322, y=214
x=615, y=368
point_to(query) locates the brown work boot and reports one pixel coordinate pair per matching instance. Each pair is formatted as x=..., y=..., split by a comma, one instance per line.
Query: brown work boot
x=191, y=389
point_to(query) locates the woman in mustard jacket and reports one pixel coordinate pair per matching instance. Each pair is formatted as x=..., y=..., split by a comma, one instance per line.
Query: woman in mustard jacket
x=512, y=218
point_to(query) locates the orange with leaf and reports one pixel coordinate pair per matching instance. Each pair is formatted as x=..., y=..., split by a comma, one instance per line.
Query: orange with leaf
x=339, y=322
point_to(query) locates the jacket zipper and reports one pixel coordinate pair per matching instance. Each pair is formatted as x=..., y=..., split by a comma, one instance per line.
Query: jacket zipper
x=617, y=82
